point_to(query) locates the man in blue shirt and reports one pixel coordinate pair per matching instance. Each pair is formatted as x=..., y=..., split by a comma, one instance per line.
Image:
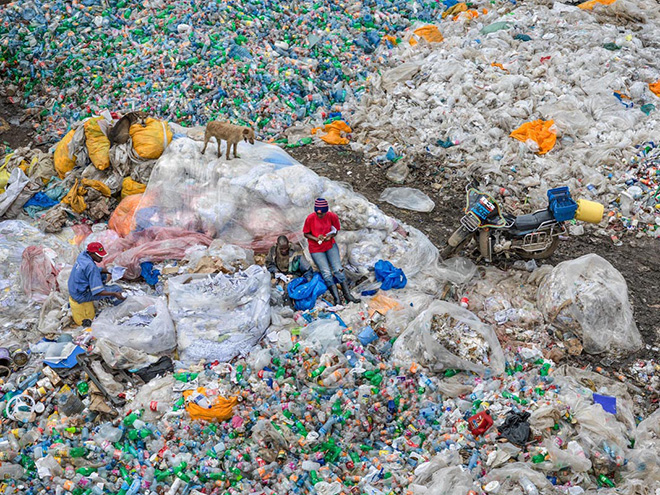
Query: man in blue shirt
x=86, y=279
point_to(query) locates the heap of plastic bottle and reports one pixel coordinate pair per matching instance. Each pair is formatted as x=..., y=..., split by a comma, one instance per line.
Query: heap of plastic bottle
x=267, y=63
x=307, y=421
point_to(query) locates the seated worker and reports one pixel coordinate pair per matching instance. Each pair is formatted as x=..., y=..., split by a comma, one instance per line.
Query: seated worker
x=320, y=229
x=86, y=279
x=286, y=262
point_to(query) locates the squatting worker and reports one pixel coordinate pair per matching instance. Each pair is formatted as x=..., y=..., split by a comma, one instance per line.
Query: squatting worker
x=320, y=228
x=286, y=261
x=86, y=279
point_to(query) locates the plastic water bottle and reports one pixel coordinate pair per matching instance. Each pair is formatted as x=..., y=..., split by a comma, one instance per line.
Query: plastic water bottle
x=528, y=487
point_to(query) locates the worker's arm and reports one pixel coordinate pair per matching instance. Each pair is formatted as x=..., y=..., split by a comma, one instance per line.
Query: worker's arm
x=107, y=293
x=311, y=237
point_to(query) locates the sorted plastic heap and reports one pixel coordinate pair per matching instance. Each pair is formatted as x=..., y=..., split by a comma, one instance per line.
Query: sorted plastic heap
x=270, y=64
x=459, y=338
x=528, y=96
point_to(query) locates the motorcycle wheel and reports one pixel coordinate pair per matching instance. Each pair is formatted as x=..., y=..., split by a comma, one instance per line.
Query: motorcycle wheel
x=541, y=255
x=459, y=238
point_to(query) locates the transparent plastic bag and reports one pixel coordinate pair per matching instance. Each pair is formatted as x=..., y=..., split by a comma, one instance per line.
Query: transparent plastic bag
x=464, y=331
x=220, y=316
x=38, y=272
x=140, y=322
x=589, y=297
x=123, y=357
x=407, y=198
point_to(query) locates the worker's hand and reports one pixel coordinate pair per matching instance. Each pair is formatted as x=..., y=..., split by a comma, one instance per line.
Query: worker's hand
x=321, y=238
x=119, y=296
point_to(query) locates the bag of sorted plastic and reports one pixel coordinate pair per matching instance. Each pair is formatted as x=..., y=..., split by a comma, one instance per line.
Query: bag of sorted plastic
x=140, y=322
x=219, y=316
x=447, y=336
x=589, y=297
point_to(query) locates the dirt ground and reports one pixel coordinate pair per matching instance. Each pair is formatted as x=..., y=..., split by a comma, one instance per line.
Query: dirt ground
x=638, y=260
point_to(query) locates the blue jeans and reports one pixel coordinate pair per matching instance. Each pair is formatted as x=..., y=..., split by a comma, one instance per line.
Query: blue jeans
x=329, y=264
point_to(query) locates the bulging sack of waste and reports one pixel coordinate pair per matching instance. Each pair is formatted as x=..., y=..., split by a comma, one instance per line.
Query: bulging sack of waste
x=448, y=336
x=589, y=297
x=150, y=141
x=143, y=323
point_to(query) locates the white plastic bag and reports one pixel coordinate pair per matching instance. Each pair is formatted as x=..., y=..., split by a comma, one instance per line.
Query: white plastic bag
x=589, y=297
x=142, y=322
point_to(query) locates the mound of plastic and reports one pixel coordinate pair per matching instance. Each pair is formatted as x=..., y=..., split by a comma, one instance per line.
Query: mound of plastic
x=589, y=73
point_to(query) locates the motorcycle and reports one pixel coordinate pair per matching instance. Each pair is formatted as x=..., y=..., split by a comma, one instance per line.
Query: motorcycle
x=532, y=236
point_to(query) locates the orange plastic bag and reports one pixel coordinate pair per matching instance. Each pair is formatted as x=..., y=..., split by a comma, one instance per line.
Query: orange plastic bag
x=592, y=3
x=655, y=88
x=130, y=187
x=64, y=164
x=122, y=220
x=222, y=409
x=334, y=130
x=430, y=33
x=382, y=303
x=98, y=144
x=542, y=132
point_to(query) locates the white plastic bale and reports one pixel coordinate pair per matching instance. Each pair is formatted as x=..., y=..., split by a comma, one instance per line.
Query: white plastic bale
x=221, y=316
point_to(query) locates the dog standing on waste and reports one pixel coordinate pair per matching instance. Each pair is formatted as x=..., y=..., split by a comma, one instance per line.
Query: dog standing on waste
x=230, y=133
x=120, y=132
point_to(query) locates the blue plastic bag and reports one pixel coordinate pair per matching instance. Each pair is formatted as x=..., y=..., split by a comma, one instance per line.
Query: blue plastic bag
x=303, y=293
x=390, y=276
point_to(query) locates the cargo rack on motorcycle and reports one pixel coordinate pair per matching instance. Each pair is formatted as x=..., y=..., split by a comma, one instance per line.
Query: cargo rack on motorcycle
x=561, y=204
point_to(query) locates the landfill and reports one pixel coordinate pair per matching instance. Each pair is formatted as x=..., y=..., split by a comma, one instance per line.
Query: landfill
x=448, y=377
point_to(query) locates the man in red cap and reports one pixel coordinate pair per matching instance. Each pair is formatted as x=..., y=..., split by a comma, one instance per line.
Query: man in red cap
x=86, y=279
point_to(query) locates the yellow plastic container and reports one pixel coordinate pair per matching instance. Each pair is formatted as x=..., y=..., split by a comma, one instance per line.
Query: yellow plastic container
x=589, y=211
x=82, y=311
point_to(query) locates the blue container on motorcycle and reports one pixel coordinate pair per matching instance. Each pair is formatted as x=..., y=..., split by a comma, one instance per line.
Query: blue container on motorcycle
x=561, y=204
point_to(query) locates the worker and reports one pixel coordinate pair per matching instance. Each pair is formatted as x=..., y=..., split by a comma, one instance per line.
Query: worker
x=286, y=261
x=320, y=228
x=86, y=279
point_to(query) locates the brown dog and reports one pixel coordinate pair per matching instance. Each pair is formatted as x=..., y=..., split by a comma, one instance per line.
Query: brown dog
x=230, y=133
x=119, y=133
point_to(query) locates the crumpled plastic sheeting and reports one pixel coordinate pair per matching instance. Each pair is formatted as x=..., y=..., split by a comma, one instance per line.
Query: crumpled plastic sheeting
x=153, y=244
x=589, y=297
x=15, y=237
x=222, y=316
x=563, y=74
x=407, y=198
x=38, y=272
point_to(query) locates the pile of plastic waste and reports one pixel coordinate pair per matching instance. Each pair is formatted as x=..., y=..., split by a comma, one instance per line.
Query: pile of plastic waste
x=205, y=381
x=528, y=96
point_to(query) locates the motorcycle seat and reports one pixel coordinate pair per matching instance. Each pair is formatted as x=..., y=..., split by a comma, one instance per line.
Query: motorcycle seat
x=532, y=221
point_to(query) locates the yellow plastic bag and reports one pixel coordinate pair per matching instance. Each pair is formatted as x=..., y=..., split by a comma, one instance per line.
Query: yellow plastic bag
x=334, y=130
x=592, y=3
x=542, y=132
x=455, y=9
x=98, y=185
x=64, y=164
x=221, y=410
x=655, y=88
x=130, y=187
x=74, y=198
x=98, y=144
x=4, y=174
x=149, y=142
x=430, y=33
x=82, y=311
